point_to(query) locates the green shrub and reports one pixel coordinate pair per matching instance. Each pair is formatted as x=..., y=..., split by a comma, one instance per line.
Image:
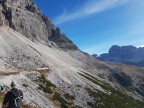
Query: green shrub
x=110, y=78
x=43, y=80
x=96, y=81
x=123, y=79
x=45, y=85
x=76, y=106
x=25, y=85
x=116, y=99
x=63, y=102
x=69, y=97
x=90, y=104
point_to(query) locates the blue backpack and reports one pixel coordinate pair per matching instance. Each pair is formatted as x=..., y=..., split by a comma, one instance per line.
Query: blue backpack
x=3, y=1
x=1, y=88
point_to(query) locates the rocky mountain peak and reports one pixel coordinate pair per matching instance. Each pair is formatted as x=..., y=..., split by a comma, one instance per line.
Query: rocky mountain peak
x=114, y=50
x=26, y=18
x=124, y=51
x=24, y=4
x=125, y=54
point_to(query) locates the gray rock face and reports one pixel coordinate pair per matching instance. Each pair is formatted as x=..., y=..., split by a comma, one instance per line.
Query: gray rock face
x=61, y=40
x=25, y=17
x=125, y=54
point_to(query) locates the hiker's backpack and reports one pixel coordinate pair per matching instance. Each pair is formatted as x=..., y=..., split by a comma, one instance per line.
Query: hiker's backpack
x=17, y=97
x=3, y=1
x=1, y=88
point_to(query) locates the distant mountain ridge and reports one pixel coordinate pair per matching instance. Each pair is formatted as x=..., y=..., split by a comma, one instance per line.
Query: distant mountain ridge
x=125, y=54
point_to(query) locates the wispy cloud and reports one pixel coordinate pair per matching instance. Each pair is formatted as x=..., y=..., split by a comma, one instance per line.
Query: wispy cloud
x=132, y=36
x=89, y=8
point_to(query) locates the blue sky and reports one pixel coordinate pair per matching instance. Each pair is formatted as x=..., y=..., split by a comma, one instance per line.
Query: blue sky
x=95, y=25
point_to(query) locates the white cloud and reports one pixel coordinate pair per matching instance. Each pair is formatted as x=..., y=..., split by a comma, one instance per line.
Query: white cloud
x=90, y=7
x=140, y=46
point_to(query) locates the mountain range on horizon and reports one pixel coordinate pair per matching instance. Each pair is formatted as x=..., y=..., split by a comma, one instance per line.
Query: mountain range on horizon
x=130, y=55
x=53, y=72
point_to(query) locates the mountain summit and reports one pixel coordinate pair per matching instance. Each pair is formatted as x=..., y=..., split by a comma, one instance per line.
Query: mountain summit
x=25, y=17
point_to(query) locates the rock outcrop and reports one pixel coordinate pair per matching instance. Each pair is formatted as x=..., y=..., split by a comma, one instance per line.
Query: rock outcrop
x=26, y=18
x=125, y=54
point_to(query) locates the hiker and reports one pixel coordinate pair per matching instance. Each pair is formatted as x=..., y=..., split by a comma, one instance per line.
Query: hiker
x=13, y=98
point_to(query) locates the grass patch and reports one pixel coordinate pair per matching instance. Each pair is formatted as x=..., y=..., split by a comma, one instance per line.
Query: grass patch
x=110, y=78
x=43, y=80
x=96, y=81
x=123, y=79
x=116, y=99
x=64, y=103
x=101, y=76
x=1, y=99
x=65, y=100
x=45, y=85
